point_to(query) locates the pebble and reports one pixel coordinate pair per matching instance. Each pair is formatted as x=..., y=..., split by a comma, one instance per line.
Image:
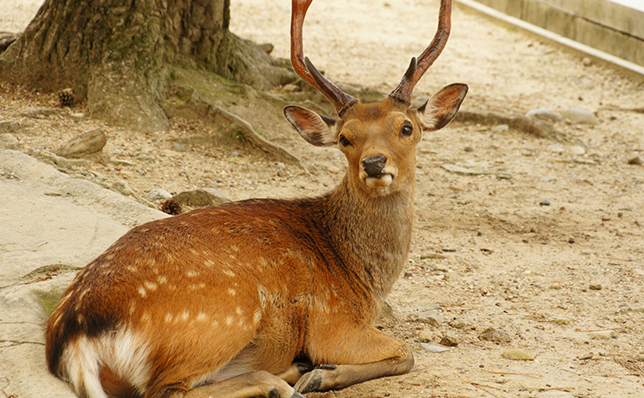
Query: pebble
x=595, y=286
x=468, y=149
x=580, y=116
x=121, y=162
x=501, y=128
x=434, y=348
x=586, y=61
x=517, y=355
x=89, y=142
x=577, y=150
x=602, y=334
x=556, y=148
x=202, y=197
x=545, y=114
x=461, y=170
x=448, y=341
x=431, y=317
x=158, y=194
x=544, y=202
x=634, y=160
x=492, y=334
x=122, y=187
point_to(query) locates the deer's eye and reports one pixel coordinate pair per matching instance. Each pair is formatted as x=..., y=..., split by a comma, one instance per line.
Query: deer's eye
x=344, y=141
x=407, y=130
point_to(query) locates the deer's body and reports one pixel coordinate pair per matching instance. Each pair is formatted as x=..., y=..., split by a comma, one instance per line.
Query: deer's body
x=268, y=298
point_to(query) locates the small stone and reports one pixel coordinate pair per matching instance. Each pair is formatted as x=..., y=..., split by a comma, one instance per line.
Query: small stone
x=596, y=286
x=635, y=160
x=431, y=317
x=158, y=194
x=121, y=162
x=179, y=147
x=571, y=240
x=461, y=170
x=501, y=128
x=434, y=348
x=517, y=355
x=468, y=149
x=602, y=334
x=202, y=197
x=556, y=148
x=545, y=114
x=499, y=336
x=544, y=202
x=586, y=61
x=9, y=141
x=89, y=142
x=586, y=357
x=122, y=187
x=580, y=116
x=448, y=341
x=577, y=150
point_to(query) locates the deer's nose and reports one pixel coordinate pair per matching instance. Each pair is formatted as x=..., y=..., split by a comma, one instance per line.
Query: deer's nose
x=373, y=165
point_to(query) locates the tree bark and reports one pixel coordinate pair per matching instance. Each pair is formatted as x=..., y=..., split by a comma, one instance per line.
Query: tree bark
x=119, y=55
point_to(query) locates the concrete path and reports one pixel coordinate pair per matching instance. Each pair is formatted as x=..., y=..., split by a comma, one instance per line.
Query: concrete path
x=50, y=226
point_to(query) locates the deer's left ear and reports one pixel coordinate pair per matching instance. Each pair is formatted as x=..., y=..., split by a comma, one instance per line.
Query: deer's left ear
x=316, y=129
x=439, y=110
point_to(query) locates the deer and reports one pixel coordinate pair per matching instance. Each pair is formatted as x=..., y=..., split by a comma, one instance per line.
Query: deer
x=266, y=298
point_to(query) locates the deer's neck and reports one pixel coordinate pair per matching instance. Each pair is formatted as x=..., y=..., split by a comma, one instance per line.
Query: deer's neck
x=372, y=235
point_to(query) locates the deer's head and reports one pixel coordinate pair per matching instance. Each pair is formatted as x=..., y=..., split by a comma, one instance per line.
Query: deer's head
x=378, y=139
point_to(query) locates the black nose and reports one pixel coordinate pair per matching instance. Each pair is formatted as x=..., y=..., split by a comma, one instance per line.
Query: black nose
x=373, y=165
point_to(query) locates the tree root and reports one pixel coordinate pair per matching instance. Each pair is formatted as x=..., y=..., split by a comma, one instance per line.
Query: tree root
x=538, y=128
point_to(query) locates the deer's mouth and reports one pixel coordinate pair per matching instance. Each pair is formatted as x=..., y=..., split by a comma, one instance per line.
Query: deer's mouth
x=379, y=180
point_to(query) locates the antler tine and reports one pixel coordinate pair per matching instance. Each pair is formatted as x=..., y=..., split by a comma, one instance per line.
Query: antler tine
x=418, y=67
x=305, y=69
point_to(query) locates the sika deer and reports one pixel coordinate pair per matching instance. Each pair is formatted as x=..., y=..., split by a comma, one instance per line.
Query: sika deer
x=251, y=298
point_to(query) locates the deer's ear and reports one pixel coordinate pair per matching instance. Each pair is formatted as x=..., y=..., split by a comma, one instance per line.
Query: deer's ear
x=439, y=110
x=316, y=129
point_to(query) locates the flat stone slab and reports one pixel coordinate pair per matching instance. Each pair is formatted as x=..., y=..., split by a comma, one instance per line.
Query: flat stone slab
x=50, y=226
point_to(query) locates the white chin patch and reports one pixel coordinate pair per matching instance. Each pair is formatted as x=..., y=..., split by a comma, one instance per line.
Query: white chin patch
x=379, y=182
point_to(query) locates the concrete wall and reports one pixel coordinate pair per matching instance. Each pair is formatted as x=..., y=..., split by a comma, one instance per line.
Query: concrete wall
x=604, y=25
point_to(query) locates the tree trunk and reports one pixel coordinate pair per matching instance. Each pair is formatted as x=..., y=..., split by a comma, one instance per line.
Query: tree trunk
x=119, y=55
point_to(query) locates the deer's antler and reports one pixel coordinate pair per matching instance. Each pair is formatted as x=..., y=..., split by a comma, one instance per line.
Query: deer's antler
x=418, y=67
x=305, y=69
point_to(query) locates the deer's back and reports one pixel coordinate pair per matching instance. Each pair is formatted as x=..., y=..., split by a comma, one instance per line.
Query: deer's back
x=232, y=272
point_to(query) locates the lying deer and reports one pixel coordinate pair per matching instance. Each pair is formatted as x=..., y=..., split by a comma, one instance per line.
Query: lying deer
x=268, y=298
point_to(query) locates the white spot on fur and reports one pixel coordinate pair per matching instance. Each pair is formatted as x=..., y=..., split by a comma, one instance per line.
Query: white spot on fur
x=232, y=291
x=192, y=274
x=229, y=320
x=168, y=317
x=162, y=279
x=142, y=291
x=150, y=285
x=202, y=316
x=257, y=316
x=185, y=315
x=228, y=272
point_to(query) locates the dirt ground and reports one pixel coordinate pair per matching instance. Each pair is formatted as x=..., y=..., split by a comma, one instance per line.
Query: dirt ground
x=562, y=282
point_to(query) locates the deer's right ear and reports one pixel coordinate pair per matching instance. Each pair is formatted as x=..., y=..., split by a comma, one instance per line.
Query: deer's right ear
x=316, y=129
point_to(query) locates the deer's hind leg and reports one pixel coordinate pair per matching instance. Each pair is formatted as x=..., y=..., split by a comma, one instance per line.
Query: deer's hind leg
x=354, y=357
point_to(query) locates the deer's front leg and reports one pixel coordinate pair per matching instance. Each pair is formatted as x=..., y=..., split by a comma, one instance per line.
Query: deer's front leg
x=354, y=358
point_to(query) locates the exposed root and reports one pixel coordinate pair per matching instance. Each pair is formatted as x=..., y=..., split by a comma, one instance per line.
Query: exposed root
x=538, y=128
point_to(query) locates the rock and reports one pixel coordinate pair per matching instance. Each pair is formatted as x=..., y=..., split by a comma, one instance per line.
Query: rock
x=431, y=317
x=89, y=142
x=544, y=202
x=556, y=148
x=498, y=336
x=8, y=141
x=158, y=194
x=595, y=286
x=517, y=355
x=434, y=348
x=545, y=114
x=577, y=150
x=468, y=149
x=121, y=162
x=202, y=197
x=634, y=160
x=448, y=341
x=121, y=187
x=501, y=128
x=586, y=61
x=580, y=116
x=602, y=334
x=11, y=126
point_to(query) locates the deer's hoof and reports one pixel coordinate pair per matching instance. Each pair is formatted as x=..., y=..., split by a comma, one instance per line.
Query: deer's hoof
x=310, y=381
